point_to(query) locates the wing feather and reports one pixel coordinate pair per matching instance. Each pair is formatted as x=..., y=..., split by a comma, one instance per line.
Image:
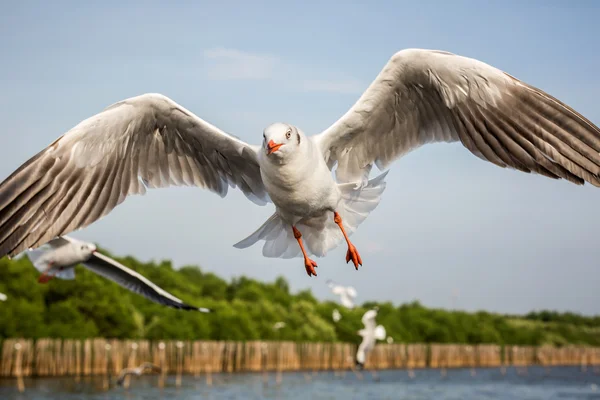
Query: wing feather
x=133, y=281
x=428, y=96
x=143, y=142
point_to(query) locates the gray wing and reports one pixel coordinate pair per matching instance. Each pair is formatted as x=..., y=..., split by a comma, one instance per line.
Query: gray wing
x=145, y=141
x=131, y=280
x=427, y=96
x=150, y=366
x=62, y=241
x=123, y=374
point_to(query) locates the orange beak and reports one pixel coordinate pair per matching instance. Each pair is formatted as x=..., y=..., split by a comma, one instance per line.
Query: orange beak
x=272, y=147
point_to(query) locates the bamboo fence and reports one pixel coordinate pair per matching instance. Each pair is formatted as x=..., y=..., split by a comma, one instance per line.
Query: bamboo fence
x=106, y=357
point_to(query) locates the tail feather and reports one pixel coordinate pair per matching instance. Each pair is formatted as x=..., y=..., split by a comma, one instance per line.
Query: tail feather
x=319, y=234
x=277, y=237
x=66, y=274
x=35, y=256
x=283, y=244
x=358, y=203
x=263, y=232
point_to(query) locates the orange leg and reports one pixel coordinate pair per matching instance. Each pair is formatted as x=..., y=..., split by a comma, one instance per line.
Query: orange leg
x=308, y=263
x=45, y=276
x=352, y=253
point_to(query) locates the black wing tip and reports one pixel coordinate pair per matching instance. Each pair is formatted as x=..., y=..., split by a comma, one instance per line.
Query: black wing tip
x=188, y=307
x=359, y=365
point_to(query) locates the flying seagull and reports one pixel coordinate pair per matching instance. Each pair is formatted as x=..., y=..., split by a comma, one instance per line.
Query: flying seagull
x=420, y=97
x=370, y=334
x=61, y=255
x=335, y=315
x=346, y=293
x=138, y=371
x=279, y=325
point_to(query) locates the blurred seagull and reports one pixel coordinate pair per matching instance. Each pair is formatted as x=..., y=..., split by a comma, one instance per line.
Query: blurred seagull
x=346, y=293
x=61, y=255
x=278, y=325
x=138, y=371
x=370, y=335
x=336, y=315
x=3, y=297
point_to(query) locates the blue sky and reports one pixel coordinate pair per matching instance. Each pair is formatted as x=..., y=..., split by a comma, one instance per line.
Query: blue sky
x=451, y=230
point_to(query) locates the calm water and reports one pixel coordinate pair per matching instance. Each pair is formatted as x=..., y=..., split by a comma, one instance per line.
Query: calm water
x=538, y=383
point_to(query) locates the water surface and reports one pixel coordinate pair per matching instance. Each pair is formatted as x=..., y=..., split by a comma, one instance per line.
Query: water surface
x=460, y=384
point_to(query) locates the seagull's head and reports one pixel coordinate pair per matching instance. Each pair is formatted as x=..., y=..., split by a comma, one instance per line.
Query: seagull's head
x=280, y=140
x=86, y=249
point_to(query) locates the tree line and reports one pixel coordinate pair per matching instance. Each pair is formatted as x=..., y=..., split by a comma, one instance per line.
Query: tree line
x=246, y=309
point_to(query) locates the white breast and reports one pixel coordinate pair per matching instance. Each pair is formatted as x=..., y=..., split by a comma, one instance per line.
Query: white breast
x=66, y=256
x=301, y=187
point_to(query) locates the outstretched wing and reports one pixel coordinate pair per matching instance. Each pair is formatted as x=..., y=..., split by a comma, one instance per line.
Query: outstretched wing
x=335, y=288
x=380, y=332
x=145, y=141
x=338, y=290
x=330, y=283
x=351, y=291
x=427, y=96
x=131, y=280
x=368, y=320
x=147, y=366
x=123, y=374
x=62, y=241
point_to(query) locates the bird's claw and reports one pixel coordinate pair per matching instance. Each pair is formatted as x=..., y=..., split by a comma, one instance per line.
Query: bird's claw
x=353, y=255
x=310, y=266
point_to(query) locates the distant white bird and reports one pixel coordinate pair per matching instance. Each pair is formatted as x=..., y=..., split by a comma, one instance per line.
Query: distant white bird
x=390, y=340
x=420, y=97
x=336, y=315
x=138, y=371
x=370, y=334
x=61, y=255
x=278, y=325
x=347, y=293
x=3, y=297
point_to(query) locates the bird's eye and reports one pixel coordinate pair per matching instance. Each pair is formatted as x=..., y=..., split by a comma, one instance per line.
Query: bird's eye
x=264, y=136
x=82, y=247
x=288, y=133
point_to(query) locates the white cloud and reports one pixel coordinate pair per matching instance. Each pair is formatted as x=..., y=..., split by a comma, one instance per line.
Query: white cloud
x=233, y=64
